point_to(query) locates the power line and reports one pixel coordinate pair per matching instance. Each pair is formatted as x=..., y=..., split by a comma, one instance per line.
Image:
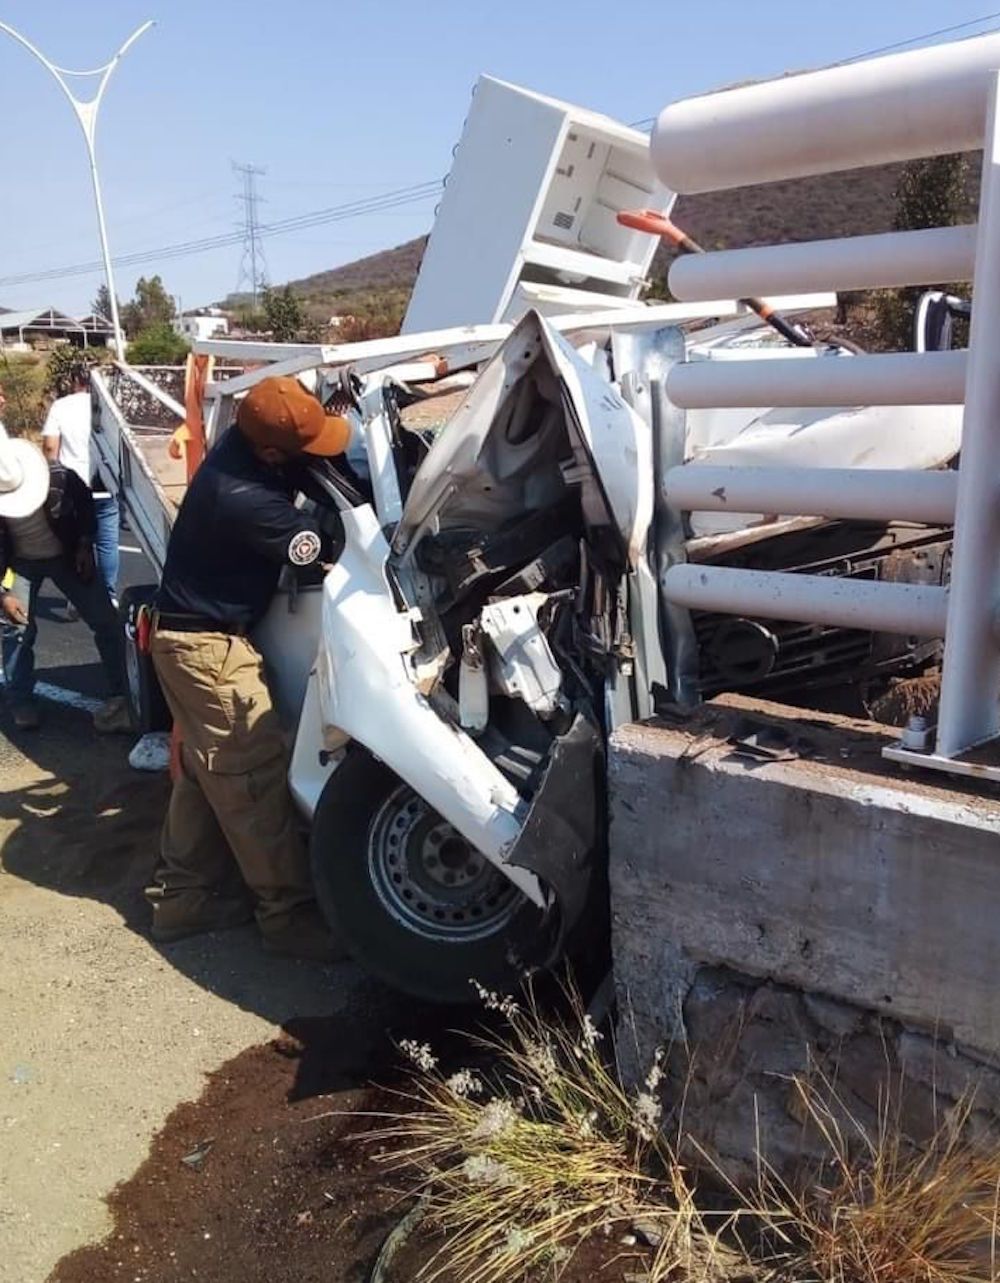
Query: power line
x=317, y=218
x=249, y=272
x=648, y=121
x=373, y=205
x=390, y=200
x=928, y=35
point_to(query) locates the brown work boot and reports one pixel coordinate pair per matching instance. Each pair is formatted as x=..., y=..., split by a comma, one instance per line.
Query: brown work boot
x=189, y=913
x=302, y=934
x=113, y=717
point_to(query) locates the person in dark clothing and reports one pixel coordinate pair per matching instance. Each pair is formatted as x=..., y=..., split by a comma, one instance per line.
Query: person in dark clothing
x=46, y=532
x=235, y=530
x=231, y=826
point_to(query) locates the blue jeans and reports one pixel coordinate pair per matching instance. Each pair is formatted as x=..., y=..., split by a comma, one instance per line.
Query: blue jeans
x=95, y=608
x=106, y=543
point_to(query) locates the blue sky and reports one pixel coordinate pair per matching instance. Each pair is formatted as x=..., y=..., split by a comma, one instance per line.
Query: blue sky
x=341, y=102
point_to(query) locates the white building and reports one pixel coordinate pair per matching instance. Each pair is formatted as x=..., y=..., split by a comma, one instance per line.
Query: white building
x=203, y=323
x=44, y=327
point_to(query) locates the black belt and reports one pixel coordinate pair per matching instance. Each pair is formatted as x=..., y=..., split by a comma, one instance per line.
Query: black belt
x=196, y=624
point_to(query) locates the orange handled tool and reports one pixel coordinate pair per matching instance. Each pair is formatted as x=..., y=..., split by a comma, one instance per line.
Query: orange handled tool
x=657, y=224
x=143, y=629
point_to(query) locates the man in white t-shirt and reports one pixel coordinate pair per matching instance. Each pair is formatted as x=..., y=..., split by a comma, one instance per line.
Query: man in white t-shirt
x=66, y=440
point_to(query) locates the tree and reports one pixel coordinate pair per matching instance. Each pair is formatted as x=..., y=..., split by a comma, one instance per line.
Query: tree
x=284, y=313
x=158, y=344
x=101, y=305
x=250, y=321
x=371, y=314
x=67, y=363
x=931, y=192
x=152, y=305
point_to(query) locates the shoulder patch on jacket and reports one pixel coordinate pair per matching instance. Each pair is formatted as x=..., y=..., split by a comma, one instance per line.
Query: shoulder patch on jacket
x=303, y=548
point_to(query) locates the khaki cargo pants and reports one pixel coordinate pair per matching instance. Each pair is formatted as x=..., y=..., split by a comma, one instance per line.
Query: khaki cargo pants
x=230, y=801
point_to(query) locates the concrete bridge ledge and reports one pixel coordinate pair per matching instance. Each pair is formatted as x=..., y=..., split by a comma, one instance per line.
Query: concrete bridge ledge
x=779, y=844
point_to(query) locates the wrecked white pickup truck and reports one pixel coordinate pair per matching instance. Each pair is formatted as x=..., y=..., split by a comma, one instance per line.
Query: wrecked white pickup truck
x=494, y=613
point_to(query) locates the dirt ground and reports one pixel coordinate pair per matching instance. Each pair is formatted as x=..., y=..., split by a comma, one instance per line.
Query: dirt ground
x=103, y=1033
x=268, y=1178
x=276, y=1195
x=158, y=1104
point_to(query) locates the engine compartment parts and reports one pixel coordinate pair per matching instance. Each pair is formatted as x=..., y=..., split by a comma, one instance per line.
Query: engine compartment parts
x=522, y=664
x=473, y=683
x=800, y=660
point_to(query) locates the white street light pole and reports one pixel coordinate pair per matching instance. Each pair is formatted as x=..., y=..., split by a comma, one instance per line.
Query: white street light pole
x=86, y=114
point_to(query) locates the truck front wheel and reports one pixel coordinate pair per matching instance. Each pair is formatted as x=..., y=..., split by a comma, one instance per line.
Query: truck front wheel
x=414, y=902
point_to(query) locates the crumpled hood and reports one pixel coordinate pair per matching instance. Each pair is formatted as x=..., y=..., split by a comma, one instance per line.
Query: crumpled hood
x=615, y=439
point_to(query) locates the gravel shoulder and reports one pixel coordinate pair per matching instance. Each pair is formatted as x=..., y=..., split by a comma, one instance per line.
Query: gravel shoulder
x=103, y=1033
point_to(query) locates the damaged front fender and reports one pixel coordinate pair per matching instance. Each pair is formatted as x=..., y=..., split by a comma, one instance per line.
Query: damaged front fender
x=366, y=693
x=562, y=840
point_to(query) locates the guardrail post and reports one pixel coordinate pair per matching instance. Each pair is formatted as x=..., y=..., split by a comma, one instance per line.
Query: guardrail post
x=970, y=688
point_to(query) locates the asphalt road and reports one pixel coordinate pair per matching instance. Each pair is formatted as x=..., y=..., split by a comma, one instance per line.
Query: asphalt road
x=65, y=656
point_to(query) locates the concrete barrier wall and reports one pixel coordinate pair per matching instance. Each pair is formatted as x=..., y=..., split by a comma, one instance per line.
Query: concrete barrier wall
x=770, y=854
x=796, y=856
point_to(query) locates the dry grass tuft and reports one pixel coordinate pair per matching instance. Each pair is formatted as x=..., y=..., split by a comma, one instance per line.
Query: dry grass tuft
x=518, y=1171
x=519, y=1167
x=907, y=697
x=881, y=1210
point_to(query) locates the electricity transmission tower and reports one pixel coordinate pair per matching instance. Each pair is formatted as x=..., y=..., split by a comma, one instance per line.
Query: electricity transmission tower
x=253, y=265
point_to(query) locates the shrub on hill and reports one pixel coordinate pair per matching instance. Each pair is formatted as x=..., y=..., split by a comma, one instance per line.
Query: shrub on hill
x=23, y=380
x=159, y=344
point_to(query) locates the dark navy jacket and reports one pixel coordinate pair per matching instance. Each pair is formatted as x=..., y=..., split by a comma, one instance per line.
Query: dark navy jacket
x=237, y=526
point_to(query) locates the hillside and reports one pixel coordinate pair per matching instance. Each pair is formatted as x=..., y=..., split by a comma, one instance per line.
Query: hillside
x=854, y=203
x=391, y=269
x=857, y=202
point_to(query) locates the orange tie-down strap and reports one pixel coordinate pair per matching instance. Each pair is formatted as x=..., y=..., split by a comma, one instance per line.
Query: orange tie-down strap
x=188, y=442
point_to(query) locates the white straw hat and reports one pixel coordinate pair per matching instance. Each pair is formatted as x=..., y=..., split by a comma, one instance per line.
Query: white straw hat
x=24, y=477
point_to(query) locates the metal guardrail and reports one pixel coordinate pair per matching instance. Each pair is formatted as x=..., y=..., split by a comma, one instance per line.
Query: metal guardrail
x=151, y=396
x=118, y=443
x=462, y=346
x=927, y=102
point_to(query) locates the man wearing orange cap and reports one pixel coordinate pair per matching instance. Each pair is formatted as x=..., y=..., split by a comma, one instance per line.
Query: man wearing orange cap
x=232, y=846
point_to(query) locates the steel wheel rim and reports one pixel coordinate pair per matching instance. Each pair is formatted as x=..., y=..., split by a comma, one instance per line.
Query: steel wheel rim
x=430, y=879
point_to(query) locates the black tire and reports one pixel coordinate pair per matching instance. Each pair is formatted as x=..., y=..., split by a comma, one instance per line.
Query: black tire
x=146, y=705
x=373, y=848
